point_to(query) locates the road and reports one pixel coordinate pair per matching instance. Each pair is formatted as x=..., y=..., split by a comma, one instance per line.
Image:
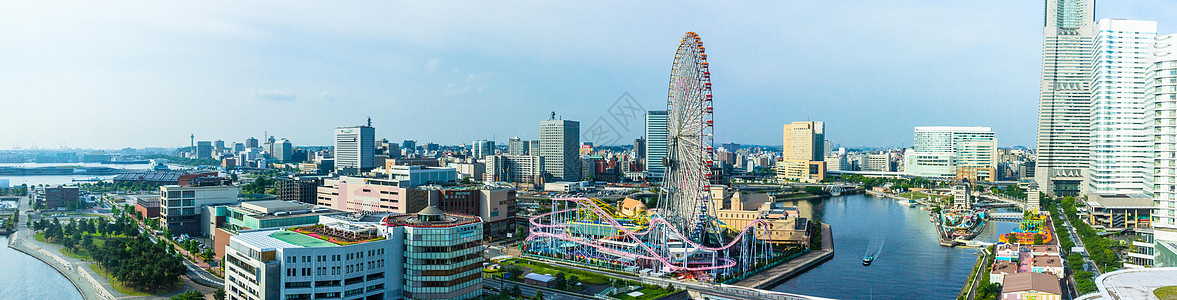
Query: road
x=527, y=290
x=1071, y=284
x=723, y=291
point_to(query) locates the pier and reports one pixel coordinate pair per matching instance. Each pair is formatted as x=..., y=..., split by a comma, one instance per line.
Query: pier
x=794, y=267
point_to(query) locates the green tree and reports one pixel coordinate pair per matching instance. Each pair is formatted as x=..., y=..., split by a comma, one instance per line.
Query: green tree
x=219, y=294
x=189, y=295
x=561, y=282
x=1037, y=239
x=539, y=294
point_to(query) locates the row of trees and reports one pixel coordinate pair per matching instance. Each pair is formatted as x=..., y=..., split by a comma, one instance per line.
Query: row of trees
x=1084, y=282
x=107, y=187
x=896, y=183
x=140, y=263
x=1012, y=191
x=20, y=190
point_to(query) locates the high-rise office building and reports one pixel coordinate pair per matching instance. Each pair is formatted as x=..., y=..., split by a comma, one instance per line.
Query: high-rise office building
x=1161, y=104
x=410, y=146
x=560, y=147
x=523, y=169
x=1121, y=148
x=516, y=146
x=250, y=143
x=1063, y=108
x=204, y=149
x=355, y=148
x=656, y=142
x=639, y=148
x=219, y=145
x=238, y=147
x=953, y=152
x=482, y=148
x=802, y=152
x=283, y=151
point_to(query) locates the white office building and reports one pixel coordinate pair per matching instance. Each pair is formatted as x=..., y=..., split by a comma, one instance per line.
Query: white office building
x=426, y=255
x=1063, y=108
x=1161, y=102
x=953, y=152
x=1120, y=146
x=355, y=148
x=560, y=146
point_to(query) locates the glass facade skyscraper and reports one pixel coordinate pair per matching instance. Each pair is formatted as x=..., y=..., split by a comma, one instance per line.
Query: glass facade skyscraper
x=1063, y=108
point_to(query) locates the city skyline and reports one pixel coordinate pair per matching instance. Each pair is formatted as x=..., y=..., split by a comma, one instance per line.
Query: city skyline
x=215, y=70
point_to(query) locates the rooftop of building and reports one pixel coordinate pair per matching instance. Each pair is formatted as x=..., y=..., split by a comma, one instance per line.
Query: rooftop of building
x=1044, y=248
x=1120, y=201
x=431, y=216
x=1048, y=261
x=1004, y=267
x=273, y=209
x=1029, y=281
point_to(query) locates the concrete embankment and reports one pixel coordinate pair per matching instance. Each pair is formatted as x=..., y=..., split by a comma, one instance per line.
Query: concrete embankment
x=775, y=275
x=81, y=278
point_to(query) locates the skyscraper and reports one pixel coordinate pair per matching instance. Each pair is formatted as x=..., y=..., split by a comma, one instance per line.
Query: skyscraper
x=355, y=148
x=560, y=146
x=250, y=143
x=483, y=148
x=1121, y=148
x=1161, y=103
x=532, y=147
x=204, y=149
x=283, y=151
x=656, y=135
x=1063, y=108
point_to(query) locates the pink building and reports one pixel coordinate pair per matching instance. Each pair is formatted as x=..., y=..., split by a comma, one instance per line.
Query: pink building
x=358, y=194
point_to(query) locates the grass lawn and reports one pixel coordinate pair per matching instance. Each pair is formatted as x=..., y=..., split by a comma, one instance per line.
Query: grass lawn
x=118, y=286
x=542, y=268
x=1166, y=293
x=647, y=293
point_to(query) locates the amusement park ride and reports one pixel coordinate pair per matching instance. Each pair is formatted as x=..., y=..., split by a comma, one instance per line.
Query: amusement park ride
x=682, y=235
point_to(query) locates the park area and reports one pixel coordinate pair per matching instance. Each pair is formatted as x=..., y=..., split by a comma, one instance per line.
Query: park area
x=575, y=280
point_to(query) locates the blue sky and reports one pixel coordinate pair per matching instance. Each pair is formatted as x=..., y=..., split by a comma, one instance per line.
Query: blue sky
x=148, y=73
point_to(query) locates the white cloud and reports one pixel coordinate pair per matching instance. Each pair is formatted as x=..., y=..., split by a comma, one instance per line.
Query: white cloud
x=274, y=95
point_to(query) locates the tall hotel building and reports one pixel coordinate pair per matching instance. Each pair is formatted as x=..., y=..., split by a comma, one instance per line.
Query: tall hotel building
x=1063, y=109
x=355, y=149
x=803, y=152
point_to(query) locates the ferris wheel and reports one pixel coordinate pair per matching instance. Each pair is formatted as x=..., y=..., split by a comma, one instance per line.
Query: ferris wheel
x=685, y=196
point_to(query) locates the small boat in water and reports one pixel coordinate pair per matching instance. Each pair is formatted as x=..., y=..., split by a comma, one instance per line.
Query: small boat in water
x=867, y=260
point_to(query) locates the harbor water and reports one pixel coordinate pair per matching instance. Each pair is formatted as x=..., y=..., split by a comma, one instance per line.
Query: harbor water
x=909, y=261
x=25, y=277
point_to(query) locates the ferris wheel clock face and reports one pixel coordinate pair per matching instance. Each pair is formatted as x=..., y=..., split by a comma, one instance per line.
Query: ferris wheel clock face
x=685, y=194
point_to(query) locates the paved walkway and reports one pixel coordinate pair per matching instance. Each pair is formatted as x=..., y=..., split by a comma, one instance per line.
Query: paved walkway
x=92, y=285
x=1132, y=283
x=795, y=266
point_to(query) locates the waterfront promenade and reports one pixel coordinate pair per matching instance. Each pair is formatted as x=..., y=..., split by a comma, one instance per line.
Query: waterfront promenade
x=784, y=271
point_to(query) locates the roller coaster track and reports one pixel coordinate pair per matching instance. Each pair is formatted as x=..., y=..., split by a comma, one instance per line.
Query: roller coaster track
x=584, y=203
